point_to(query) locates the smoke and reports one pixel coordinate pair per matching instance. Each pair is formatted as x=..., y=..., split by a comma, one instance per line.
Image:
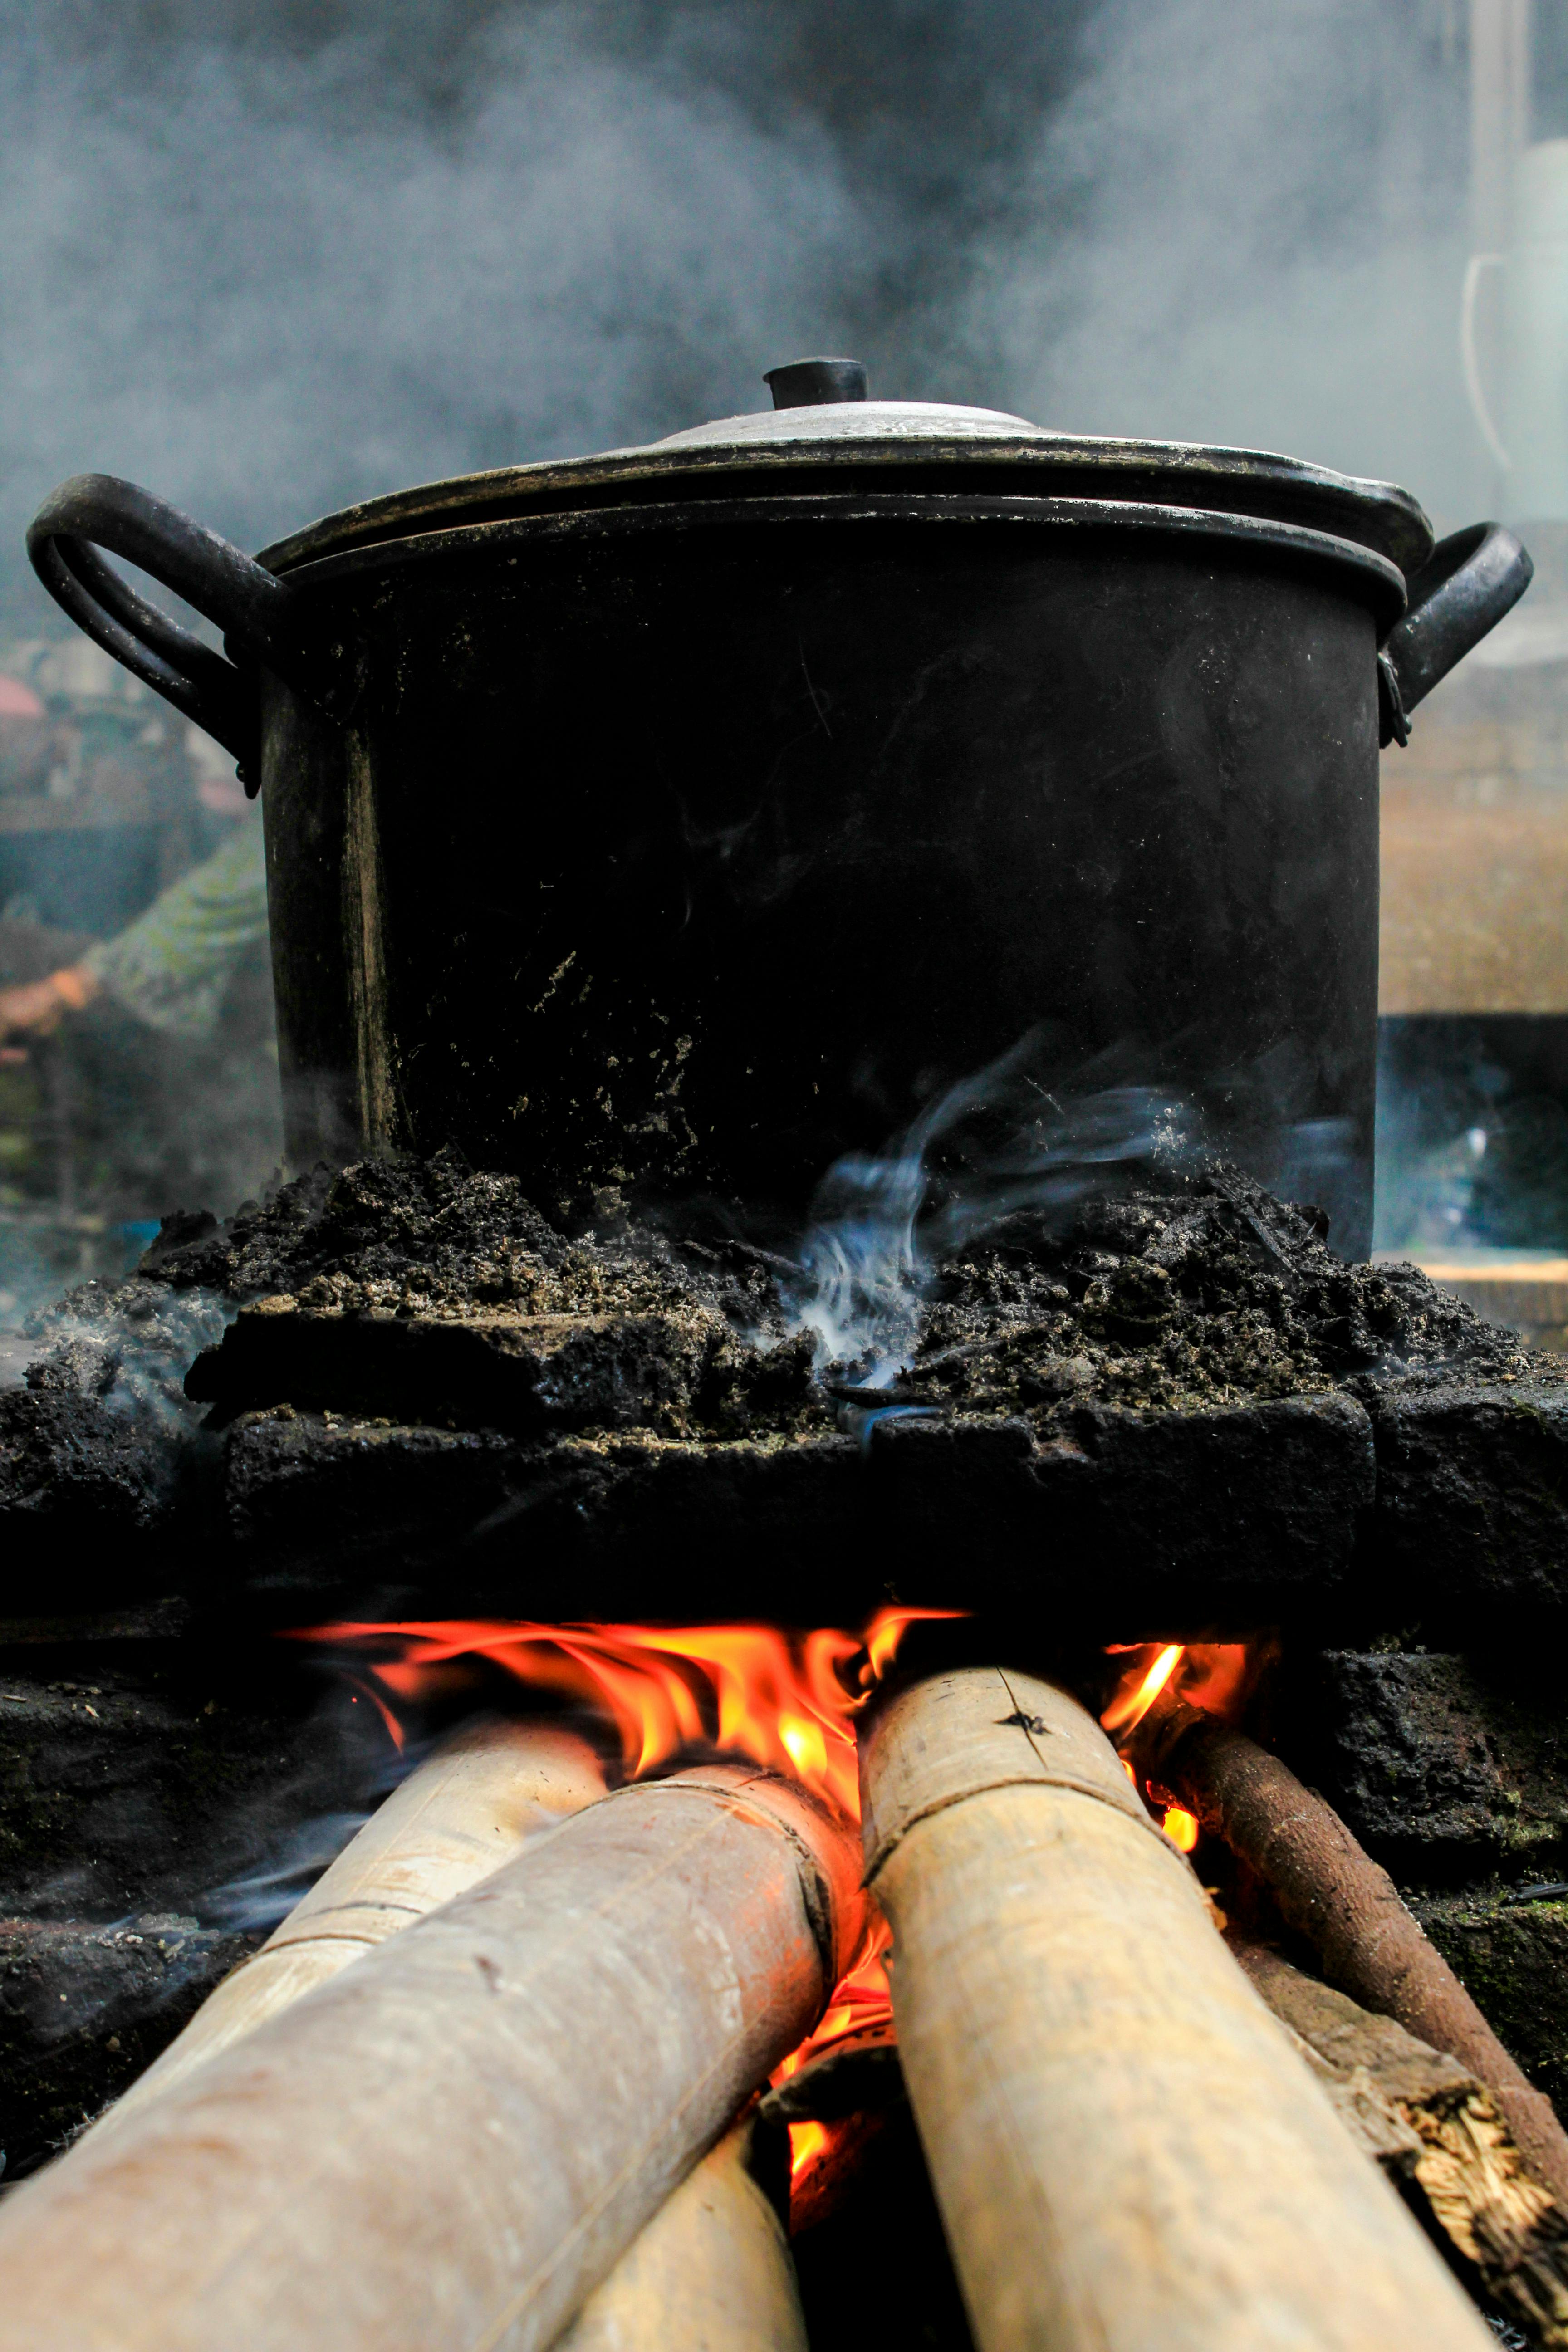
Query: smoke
x=266, y=1895
x=269, y=270
x=240, y=279
x=1268, y=218
x=997, y=1142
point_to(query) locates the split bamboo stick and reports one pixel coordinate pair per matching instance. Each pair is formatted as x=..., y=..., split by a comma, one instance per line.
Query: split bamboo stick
x=448, y=2146
x=712, y=2271
x=1128, y=2155
x=459, y=1815
x=1331, y=1891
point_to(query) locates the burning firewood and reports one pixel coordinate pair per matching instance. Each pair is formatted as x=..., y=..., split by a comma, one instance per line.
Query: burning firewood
x=454, y=2140
x=1348, y=1907
x=715, y=2253
x=711, y=2269
x=1126, y=2151
x=459, y=1815
x=1438, y=2134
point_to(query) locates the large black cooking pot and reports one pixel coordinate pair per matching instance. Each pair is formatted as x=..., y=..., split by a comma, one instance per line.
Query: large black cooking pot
x=682, y=818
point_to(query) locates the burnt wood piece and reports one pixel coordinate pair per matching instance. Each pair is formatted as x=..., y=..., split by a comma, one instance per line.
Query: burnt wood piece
x=1329, y=1891
x=859, y=2075
x=1439, y=2134
x=1241, y=1514
x=873, y=2264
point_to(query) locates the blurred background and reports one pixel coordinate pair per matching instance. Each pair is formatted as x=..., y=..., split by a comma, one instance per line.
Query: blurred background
x=271, y=255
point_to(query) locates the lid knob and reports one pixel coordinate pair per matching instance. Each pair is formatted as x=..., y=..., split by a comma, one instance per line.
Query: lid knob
x=808, y=384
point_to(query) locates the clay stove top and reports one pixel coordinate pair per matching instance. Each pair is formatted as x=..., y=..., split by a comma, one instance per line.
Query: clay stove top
x=1169, y=1404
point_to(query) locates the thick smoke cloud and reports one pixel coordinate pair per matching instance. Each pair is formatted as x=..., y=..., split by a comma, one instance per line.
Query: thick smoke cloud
x=239, y=284
x=268, y=259
x=1250, y=226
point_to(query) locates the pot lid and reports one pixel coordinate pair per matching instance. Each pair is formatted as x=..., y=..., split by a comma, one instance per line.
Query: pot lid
x=825, y=434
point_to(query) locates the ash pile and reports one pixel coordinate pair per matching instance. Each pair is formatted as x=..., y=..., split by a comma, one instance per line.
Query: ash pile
x=409, y=1387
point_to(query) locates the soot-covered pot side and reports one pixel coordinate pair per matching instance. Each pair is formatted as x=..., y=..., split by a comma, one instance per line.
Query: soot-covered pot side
x=681, y=820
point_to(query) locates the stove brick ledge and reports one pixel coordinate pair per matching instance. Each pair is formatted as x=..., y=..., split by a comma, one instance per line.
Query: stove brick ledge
x=522, y=1372
x=1472, y=1498
x=1246, y=1514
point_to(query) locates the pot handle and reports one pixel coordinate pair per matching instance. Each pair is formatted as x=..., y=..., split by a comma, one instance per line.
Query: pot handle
x=259, y=613
x=1457, y=598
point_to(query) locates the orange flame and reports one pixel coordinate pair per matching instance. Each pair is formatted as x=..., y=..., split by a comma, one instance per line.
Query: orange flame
x=786, y=1702
x=808, y=2144
x=1137, y=1693
x=861, y=2003
x=1213, y=1675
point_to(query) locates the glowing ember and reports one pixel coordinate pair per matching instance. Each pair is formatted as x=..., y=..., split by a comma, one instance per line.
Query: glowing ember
x=861, y=2004
x=808, y=2144
x=1180, y=1827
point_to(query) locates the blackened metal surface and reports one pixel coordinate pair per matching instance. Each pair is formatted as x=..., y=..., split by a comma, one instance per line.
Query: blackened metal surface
x=686, y=860
x=878, y=445
x=805, y=384
x=1474, y=577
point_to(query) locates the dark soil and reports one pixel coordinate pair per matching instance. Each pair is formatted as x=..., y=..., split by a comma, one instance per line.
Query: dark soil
x=1185, y=1289
x=1174, y=1380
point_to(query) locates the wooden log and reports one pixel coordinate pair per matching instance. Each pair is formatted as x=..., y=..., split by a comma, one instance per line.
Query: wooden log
x=469, y=1808
x=712, y=2271
x=451, y=2143
x=1347, y=1906
x=1128, y=2153
x=1438, y=2134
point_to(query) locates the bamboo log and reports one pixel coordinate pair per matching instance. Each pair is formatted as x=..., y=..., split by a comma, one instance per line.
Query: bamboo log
x=712, y=2271
x=1128, y=2155
x=458, y=1816
x=1441, y=2136
x=450, y=2144
x=1332, y=1892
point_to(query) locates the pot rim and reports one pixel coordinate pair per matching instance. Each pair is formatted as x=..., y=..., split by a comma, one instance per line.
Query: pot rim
x=1249, y=485
x=1378, y=580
